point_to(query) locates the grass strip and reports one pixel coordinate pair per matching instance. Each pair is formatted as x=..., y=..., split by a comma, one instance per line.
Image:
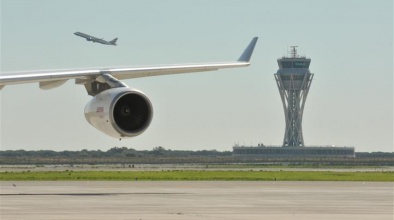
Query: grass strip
x=197, y=176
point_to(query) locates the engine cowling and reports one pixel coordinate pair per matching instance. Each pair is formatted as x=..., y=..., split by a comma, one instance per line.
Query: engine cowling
x=120, y=112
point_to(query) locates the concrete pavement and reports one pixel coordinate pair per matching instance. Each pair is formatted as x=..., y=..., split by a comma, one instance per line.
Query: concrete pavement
x=195, y=200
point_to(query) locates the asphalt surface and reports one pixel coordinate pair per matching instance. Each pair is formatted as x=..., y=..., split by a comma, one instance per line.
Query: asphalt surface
x=195, y=200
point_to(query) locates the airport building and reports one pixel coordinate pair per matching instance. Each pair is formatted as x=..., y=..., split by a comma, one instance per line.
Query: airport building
x=294, y=80
x=284, y=152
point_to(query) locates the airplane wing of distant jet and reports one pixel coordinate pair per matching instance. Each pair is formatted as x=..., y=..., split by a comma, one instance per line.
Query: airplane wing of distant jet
x=95, y=39
x=116, y=109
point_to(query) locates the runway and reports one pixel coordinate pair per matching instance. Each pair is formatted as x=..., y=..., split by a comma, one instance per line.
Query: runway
x=195, y=200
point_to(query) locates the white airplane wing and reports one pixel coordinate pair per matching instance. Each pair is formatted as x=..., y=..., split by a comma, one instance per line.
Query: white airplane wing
x=115, y=109
x=53, y=78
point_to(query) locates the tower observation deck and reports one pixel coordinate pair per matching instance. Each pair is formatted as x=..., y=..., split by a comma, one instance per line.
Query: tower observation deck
x=294, y=80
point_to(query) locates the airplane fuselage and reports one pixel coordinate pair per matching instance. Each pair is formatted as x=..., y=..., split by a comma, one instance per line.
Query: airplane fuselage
x=95, y=39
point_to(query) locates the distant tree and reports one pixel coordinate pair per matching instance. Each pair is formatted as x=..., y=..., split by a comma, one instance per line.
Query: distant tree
x=158, y=151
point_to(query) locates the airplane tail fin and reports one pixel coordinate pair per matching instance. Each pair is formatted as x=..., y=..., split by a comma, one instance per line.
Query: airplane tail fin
x=114, y=41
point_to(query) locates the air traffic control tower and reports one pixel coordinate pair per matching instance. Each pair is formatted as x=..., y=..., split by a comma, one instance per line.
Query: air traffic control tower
x=294, y=80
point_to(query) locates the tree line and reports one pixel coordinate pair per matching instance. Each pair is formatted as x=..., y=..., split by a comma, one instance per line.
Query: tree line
x=114, y=152
x=160, y=155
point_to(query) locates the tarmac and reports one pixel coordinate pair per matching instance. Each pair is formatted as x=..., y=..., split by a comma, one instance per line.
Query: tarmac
x=213, y=200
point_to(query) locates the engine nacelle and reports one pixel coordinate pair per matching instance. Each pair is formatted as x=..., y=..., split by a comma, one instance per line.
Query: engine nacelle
x=120, y=112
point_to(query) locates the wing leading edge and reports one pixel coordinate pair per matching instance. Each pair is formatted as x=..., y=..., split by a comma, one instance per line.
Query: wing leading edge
x=54, y=78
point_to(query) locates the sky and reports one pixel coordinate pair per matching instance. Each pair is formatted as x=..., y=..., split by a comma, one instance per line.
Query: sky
x=350, y=43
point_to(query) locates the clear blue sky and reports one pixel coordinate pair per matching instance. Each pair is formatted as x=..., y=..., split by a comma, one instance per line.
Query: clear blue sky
x=350, y=42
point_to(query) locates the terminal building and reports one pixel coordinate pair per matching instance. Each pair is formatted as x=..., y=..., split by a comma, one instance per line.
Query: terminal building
x=294, y=80
x=299, y=152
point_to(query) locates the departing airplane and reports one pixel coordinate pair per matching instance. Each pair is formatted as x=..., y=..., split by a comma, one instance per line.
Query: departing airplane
x=95, y=39
x=116, y=109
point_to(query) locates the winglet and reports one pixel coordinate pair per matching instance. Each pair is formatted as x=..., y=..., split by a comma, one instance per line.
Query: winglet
x=245, y=57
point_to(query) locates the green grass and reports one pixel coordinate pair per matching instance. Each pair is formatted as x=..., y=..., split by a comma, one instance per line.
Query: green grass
x=198, y=176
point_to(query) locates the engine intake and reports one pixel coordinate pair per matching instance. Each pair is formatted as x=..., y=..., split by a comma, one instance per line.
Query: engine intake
x=131, y=112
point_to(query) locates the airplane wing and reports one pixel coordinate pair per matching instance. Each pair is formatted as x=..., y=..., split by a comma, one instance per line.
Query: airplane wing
x=54, y=78
x=93, y=39
x=88, y=37
x=116, y=109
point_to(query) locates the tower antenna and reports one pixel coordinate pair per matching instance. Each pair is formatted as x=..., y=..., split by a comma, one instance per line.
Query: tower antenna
x=294, y=51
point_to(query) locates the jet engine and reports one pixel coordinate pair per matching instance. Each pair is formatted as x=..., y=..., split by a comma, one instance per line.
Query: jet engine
x=120, y=112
